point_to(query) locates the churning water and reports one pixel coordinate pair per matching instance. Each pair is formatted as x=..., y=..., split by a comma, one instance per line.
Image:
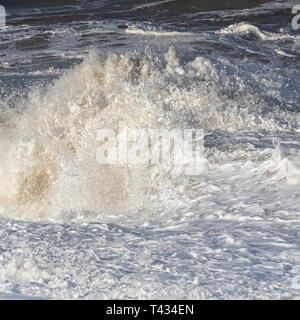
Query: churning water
x=72, y=228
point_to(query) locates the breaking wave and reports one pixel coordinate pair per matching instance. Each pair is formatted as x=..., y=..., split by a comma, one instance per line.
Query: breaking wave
x=48, y=139
x=244, y=28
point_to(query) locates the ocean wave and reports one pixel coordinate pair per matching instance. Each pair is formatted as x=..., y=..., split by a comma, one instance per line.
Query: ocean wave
x=49, y=165
x=244, y=28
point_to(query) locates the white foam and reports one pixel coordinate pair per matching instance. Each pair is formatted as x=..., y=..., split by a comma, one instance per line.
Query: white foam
x=150, y=4
x=244, y=28
x=157, y=33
